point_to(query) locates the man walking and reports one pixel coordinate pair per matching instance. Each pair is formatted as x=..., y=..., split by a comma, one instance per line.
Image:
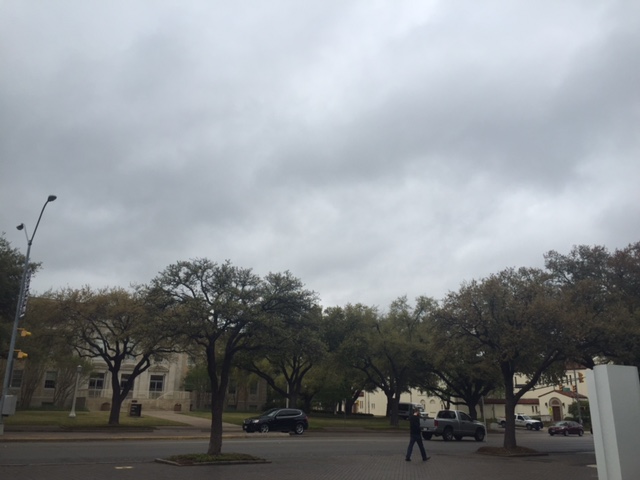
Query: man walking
x=415, y=435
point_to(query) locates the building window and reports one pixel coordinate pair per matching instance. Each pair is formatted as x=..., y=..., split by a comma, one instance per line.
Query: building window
x=16, y=379
x=156, y=386
x=96, y=384
x=50, y=379
x=253, y=388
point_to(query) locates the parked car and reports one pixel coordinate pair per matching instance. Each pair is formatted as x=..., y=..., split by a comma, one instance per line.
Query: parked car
x=524, y=421
x=566, y=428
x=278, y=420
x=452, y=424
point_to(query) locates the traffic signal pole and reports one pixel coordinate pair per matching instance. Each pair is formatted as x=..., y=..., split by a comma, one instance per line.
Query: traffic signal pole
x=19, y=311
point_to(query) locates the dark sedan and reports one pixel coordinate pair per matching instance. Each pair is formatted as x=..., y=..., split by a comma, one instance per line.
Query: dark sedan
x=566, y=428
x=278, y=420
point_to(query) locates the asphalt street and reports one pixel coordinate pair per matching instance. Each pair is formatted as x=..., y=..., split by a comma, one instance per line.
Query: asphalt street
x=314, y=455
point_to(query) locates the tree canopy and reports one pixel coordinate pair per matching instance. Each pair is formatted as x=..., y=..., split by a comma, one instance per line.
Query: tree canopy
x=515, y=320
x=119, y=327
x=222, y=308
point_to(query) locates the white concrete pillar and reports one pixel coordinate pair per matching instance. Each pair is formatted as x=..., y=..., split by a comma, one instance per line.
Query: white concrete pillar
x=614, y=401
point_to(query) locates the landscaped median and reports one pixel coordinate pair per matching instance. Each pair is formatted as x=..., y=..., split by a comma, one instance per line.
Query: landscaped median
x=204, y=459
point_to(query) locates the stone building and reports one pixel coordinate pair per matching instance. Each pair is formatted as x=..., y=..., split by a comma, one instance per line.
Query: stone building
x=161, y=387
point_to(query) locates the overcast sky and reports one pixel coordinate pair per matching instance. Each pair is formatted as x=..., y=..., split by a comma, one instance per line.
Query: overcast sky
x=372, y=148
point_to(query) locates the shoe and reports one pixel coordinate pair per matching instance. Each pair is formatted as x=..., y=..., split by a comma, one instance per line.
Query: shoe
x=425, y=459
x=407, y=459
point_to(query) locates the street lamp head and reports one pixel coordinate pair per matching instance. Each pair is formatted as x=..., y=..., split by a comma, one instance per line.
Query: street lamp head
x=51, y=198
x=20, y=227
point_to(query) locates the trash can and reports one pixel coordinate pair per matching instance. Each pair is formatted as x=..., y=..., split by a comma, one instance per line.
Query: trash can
x=135, y=410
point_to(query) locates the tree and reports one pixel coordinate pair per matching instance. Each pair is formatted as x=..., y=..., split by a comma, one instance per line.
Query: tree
x=220, y=307
x=463, y=372
x=116, y=326
x=515, y=320
x=334, y=383
x=11, y=269
x=288, y=350
x=388, y=348
x=197, y=381
x=47, y=350
x=602, y=291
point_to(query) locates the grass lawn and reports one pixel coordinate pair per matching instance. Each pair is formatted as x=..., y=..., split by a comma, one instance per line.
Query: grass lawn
x=83, y=419
x=100, y=419
x=318, y=421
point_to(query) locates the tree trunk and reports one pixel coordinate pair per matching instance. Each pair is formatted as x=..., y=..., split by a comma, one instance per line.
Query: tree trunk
x=215, y=437
x=473, y=412
x=392, y=408
x=32, y=379
x=509, y=412
x=350, y=402
x=116, y=400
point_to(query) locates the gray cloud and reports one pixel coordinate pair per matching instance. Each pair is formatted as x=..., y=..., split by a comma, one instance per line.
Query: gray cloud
x=374, y=150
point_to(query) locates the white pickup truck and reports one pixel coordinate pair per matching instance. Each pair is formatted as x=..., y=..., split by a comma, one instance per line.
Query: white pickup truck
x=452, y=424
x=524, y=421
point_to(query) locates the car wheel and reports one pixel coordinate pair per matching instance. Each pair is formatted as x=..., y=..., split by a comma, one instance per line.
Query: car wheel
x=503, y=424
x=299, y=430
x=264, y=428
x=426, y=436
x=447, y=435
x=552, y=433
x=528, y=426
x=580, y=433
x=538, y=427
x=565, y=433
x=479, y=436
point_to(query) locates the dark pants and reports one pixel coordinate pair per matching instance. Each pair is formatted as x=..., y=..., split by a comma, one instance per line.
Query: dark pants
x=416, y=439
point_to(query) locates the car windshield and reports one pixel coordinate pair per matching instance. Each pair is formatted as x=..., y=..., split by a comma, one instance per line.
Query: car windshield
x=560, y=424
x=270, y=413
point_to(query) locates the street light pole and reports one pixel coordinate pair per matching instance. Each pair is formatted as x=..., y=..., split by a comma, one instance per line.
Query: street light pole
x=16, y=321
x=72, y=414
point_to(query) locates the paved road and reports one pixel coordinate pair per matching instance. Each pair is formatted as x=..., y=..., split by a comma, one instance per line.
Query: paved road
x=313, y=457
x=326, y=456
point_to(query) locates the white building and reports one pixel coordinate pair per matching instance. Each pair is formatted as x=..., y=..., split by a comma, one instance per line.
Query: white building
x=550, y=403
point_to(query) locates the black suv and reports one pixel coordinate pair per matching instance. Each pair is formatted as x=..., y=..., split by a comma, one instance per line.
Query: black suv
x=278, y=420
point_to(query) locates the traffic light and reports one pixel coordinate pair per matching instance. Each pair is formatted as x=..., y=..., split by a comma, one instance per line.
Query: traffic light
x=580, y=377
x=21, y=355
x=574, y=388
x=24, y=332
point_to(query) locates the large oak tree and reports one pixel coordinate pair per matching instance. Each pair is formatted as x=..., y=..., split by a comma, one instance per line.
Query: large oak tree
x=514, y=320
x=221, y=308
x=119, y=327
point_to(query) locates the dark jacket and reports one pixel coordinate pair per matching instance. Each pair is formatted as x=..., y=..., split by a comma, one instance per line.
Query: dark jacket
x=414, y=424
